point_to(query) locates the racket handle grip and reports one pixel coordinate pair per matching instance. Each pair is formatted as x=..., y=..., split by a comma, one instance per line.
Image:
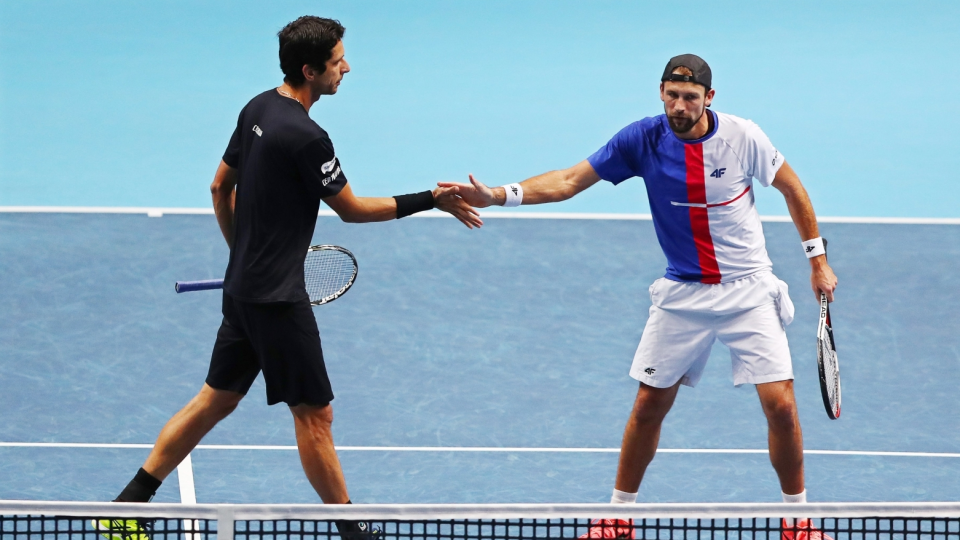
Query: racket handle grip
x=205, y=285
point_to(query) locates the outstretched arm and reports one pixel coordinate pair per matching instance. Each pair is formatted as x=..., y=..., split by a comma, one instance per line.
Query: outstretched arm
x=224, y=197
x=553, y=186
x=353, y=209
x=801, y=210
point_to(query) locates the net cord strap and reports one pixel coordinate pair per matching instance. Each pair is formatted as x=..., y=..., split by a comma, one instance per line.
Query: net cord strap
x=226, y=514
x=225, y=522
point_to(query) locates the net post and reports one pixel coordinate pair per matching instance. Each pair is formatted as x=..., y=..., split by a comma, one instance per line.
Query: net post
x=225, y=522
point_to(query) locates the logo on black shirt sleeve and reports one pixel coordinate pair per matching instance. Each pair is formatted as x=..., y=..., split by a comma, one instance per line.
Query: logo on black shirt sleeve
x=329, y=166
x=332, y=165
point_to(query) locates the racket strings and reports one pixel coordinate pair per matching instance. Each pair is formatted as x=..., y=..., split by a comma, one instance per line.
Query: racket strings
x=831, y=369
x=327, y=272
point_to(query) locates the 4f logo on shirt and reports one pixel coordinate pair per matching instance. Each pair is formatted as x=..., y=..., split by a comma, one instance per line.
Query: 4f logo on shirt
x=650, y=371
x=717, y=173
x=257, y=130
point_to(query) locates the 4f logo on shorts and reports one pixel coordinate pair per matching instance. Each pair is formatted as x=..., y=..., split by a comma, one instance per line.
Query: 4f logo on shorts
x=258, y=131
x=650, y=371
x=717, y=173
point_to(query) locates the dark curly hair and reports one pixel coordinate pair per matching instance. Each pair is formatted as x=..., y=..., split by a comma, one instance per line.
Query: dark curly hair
x=309, y=41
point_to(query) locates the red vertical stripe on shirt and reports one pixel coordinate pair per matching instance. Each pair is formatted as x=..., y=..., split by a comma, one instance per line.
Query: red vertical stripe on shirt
x=699, y=220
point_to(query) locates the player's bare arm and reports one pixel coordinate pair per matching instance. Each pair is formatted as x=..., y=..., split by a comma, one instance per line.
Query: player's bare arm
x=788, y=183
x=353, y=209
x=553, y=186
x=224, y=197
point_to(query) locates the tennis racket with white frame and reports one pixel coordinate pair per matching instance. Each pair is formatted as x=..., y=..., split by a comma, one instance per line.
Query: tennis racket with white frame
x=827, y=361
x=328, y=272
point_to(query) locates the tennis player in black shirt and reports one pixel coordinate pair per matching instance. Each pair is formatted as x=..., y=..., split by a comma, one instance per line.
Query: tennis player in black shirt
x=277, y=168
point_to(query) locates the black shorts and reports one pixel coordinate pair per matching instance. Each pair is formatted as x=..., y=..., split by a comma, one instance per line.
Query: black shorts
x=282, y=340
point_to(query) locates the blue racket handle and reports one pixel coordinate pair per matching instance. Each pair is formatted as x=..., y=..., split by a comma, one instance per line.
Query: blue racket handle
x=205, y=285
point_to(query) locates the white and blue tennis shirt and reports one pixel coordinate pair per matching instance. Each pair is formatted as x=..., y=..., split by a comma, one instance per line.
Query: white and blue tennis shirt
x=700, y=193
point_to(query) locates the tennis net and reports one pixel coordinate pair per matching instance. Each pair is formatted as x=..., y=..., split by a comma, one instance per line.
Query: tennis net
x=35, y=520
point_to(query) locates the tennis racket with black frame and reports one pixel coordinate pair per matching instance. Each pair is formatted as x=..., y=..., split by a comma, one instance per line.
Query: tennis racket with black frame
x=827, y=358
x=328, y=272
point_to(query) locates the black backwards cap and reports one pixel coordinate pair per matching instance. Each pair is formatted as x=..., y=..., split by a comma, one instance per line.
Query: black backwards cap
x=701, y=71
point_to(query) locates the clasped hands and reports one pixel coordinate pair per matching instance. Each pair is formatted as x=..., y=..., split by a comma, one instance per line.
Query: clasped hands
x=462, y=200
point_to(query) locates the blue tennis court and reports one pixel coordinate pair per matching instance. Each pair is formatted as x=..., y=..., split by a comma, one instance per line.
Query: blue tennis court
x=468, y=366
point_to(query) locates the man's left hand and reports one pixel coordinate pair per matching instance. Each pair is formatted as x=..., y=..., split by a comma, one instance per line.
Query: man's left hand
x=822, y=278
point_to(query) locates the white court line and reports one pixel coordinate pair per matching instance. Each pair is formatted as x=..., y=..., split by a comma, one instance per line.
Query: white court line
x=160, y=211
x=188, y=492
x=491, y=449
x=188, y=495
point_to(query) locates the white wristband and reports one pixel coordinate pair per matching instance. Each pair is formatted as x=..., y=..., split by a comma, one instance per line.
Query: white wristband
x=514, y=195
x=813, y=247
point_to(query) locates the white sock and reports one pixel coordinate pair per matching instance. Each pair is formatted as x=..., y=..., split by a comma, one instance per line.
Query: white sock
x=622, y=497
x=798, y=498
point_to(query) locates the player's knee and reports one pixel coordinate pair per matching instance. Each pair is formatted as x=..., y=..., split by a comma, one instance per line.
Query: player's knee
x=321, y=416
x=325, y=414
x=781, y=412
x=651, y=409
x=218, y=403
x=218, y=410
x=227, y=406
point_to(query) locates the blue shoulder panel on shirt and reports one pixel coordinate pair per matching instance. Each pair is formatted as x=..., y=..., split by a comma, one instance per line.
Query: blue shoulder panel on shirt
x=623, y=156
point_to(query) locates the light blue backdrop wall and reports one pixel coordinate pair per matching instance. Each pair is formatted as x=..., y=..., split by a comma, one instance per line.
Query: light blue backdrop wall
x=131, y=103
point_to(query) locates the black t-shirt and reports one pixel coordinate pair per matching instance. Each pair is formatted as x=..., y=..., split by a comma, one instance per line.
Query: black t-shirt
x=286, y=164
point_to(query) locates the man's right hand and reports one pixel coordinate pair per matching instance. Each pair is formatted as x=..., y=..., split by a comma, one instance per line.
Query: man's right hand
x=553, y=186
x=476, y=194
x=448, y=200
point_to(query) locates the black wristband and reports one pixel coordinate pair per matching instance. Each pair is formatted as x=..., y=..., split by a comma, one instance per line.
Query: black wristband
x=413, y=203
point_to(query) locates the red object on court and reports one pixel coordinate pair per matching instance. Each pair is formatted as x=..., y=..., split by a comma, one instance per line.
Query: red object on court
x=612, y=528
x=803, y=530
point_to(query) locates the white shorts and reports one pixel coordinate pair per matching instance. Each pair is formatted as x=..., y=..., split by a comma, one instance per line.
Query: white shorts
x=748, y=316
